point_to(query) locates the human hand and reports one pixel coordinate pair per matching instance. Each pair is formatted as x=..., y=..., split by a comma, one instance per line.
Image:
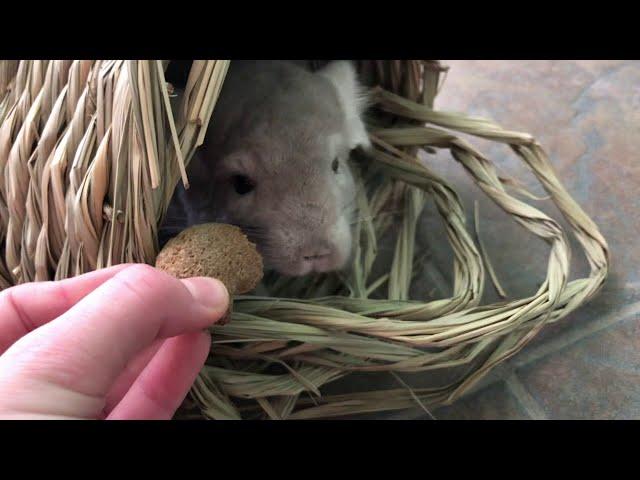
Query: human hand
x=125, y=342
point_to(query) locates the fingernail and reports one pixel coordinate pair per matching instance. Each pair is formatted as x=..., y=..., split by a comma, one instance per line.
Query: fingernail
x=209, y=292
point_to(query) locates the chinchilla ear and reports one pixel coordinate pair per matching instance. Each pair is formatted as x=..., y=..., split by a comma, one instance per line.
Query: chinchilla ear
x=352, y=96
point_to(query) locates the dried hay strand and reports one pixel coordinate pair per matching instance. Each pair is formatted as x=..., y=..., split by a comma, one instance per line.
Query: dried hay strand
x=90, y=154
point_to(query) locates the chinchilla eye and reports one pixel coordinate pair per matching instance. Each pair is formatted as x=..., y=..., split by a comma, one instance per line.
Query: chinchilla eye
x=242, y=184
x=335, y=165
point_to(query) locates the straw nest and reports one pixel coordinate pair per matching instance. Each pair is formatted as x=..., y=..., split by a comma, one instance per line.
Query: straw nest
x=91, y=151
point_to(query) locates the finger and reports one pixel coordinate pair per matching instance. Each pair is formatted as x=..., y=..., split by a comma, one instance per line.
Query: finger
x=86, y=348
x=123, y=383
x=28, y=306
x=164, y=383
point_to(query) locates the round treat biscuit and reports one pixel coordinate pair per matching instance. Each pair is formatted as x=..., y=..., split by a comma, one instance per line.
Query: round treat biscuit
x=213, y=250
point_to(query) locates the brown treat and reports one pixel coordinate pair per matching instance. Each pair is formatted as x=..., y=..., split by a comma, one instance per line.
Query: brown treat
x=213, y=250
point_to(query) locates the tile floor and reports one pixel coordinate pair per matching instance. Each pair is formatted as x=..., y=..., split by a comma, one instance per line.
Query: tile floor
x=586, y=114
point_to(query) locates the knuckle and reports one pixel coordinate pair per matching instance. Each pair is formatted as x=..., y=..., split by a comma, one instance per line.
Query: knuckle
x=137, y=280
x=15, y=310
x=146, y=283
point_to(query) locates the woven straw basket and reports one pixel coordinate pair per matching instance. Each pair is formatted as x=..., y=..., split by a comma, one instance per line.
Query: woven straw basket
x=90, y=154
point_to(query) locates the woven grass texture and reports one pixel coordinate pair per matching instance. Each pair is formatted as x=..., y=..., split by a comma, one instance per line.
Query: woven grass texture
x=91, y=152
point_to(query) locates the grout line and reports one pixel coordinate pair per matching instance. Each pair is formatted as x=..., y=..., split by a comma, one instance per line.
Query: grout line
x=526, y=400
x=515, y=386
x=524, y=358
x=555, y=344
x=573, y=336
x=412, y=413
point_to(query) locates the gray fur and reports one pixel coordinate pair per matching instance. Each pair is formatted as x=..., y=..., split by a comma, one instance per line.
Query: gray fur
x=282, y=127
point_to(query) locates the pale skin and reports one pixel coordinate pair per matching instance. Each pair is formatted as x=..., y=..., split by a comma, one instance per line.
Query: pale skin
x=125, y=342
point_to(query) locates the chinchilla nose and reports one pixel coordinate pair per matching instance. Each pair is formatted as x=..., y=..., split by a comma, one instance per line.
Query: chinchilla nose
x=317, y=259
x=315, y=253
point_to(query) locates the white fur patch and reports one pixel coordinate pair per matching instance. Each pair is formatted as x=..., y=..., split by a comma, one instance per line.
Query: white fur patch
x=352, y=97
